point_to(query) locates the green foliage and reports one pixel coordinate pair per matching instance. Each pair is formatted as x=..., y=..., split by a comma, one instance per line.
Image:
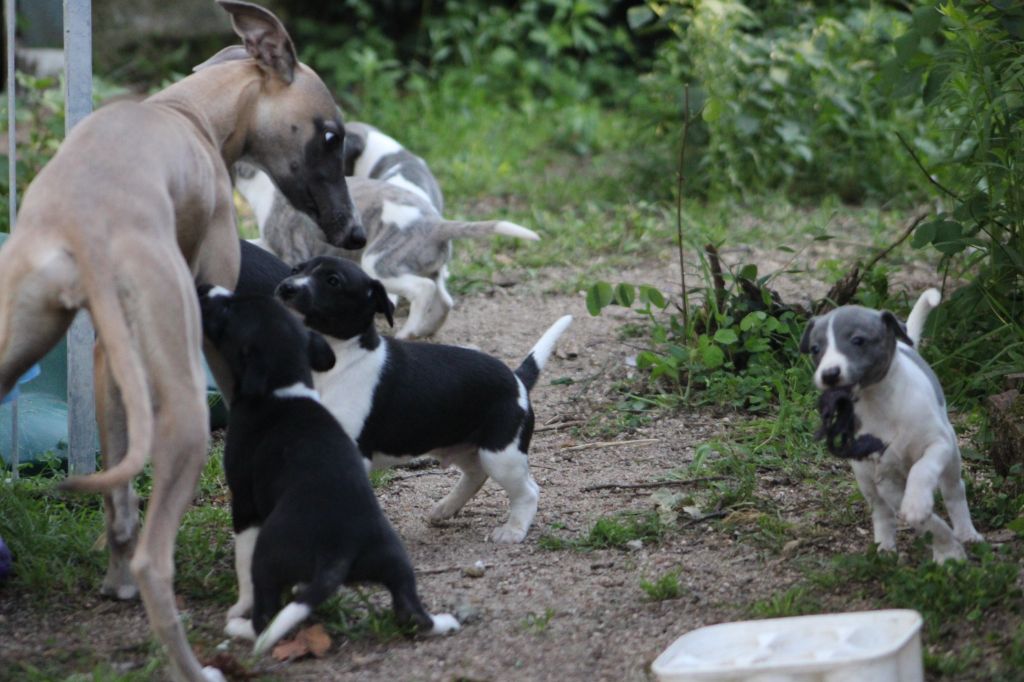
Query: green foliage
x=538, y=623
x=966, y=61
x=665, y=587
x=794, y=95
x=612, y=532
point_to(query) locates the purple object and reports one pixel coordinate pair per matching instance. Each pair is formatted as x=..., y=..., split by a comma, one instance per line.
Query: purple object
x=6, y=561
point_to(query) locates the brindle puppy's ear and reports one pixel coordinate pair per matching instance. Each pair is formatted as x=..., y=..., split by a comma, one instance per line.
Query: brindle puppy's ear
x=321, y=357
x=355, y=145
x=805, y=340
x=896, y=327
x=384, y=304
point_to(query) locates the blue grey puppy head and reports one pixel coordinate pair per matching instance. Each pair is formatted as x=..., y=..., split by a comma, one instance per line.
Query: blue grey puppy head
x=852, y=346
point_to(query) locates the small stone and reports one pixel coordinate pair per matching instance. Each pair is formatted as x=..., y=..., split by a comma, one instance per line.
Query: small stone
x=789, y=549
x=475, y=571
x=635, y=545
x=466, y=613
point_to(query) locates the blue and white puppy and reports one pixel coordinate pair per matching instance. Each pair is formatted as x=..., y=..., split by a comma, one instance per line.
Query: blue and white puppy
x=403, y=398
x=408, y=244
x=302, y=508
x=899, y=400
x=369, y=153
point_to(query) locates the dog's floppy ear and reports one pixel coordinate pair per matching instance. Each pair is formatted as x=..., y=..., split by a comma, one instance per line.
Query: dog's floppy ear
x=805, y=340
x=384, y=304
x=897, y=328
x=321, y=357
x=355, y=145
x=212, y=309
x=264, y=37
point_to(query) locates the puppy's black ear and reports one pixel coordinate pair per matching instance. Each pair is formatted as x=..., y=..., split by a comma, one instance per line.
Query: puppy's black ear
x=897, y=328
x=805, y=340
x=255, y=379
x=321, y=357
x=384, y=304
x=212, y=310
x=353, y=149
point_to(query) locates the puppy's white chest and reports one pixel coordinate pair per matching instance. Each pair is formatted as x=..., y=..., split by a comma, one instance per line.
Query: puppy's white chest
x=347, y=390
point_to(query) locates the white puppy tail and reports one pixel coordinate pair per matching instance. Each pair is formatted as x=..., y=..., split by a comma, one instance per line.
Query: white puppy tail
x=919, y=315
x=283, y=622
x=453, y=229
x=529, y=371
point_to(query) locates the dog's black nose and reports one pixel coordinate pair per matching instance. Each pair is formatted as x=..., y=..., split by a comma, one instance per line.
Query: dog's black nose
x=286, y=290
x=830, y=376
x=355, y=240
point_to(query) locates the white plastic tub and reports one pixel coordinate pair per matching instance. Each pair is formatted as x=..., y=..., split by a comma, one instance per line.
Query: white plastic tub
x=866, y=646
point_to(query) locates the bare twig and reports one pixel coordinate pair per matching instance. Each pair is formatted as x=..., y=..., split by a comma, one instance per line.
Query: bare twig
x=924, y=170
x=680, y=181
x=655, y=484
x=705, y=517
x=607, y=444
x=559, y=425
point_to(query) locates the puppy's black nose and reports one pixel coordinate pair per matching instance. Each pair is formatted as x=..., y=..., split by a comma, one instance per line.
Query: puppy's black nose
x=286, y=291
x=830, y=376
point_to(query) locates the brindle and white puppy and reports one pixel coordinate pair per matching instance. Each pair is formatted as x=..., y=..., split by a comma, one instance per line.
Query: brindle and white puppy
x=899, y=400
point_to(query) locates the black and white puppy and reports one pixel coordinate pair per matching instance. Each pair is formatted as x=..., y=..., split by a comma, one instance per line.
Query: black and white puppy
x=302, y=508
x=402, y=398
x=897, y=399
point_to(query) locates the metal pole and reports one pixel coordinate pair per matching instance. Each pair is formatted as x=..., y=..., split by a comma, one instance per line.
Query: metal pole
x=12, y=189
x=82, y=431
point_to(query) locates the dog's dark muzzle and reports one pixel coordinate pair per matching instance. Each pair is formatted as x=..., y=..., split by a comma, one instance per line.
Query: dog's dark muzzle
x=345, y=232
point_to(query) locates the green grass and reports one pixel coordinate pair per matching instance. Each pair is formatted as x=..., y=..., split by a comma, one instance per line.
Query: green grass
x=612, y=532
x=537, y=623
x=663, y=588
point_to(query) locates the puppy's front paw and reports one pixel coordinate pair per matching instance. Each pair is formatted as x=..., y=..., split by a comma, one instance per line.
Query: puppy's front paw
x=238, y=610
x=240, y=628
x=886, y=546
x=916, y=509
x=213, y=674
x=968, y=536
x=443, y=624
x=508, y=535
x=943, y=553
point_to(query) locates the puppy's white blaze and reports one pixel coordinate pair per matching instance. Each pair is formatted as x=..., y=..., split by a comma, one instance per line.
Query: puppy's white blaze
x=218, y=291
x=297, y=390
x=378, y=145
x=524, y=395
x=508, y=229
x=400, y=180
x=348, y=387
x=831, y=358
x=300, y=282
x=443, y=624
x=919, y=315
x=542, y=349
x=259, y=191
x=399, y=215
x=283, y=622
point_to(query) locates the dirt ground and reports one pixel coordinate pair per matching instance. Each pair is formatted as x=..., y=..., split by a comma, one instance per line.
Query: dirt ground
x=534, y=614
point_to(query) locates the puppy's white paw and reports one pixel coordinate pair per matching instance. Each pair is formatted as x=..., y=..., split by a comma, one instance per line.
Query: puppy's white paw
x=916, y=509
x=444, y=623
x=886, y=546
x=440, y=513
x=508, y=535
x=943, y=553
x=968, y=536
x=240, y=628
x=213, y=674
x=238, y=610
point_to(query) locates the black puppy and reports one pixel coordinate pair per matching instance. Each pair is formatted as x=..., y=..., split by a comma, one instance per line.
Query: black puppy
x=402, y=398
x=301, y=505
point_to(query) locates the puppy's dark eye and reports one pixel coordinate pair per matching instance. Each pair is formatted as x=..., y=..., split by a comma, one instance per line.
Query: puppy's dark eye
x=333, y=281
x=815, y=349
x=296, y=269
x=332, y=140
x=857, y=340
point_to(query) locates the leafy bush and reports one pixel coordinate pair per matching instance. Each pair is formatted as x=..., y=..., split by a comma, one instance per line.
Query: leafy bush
x=795, y=97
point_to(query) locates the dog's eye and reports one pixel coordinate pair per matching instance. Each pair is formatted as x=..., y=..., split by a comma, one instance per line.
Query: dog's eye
x=857, y=340
x=815, y=349
x=333, y=281
x=296, y=270
x=331, y=139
